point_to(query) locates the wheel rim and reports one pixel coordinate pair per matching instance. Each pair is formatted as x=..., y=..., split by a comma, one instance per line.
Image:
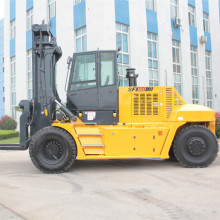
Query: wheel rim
x=52, y=152
x=196, y=146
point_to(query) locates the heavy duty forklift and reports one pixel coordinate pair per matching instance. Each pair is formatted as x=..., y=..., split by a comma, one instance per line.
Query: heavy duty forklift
x=104, y=121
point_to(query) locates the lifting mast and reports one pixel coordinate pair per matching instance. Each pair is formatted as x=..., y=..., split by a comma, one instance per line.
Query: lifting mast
x=41, y=110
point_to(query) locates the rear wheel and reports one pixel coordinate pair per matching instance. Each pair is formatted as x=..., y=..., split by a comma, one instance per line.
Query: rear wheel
x=195, y=146
x=52, y=150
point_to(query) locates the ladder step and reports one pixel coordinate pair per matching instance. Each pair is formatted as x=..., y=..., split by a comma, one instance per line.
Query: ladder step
x=92, y=145
x=92, y=134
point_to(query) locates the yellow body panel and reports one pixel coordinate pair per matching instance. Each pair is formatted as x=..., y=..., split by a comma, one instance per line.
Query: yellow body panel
x=193, y=113
x=149, y=118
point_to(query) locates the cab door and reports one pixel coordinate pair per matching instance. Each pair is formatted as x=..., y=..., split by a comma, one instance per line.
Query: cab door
x=83, y=86
x=108, y=93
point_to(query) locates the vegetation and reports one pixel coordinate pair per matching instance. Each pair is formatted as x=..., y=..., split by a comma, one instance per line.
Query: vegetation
x=14, y=140
x=7, y=123
x=6, y=134
x=217, y=124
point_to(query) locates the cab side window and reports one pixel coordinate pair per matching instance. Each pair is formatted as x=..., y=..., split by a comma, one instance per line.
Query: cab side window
x=107, y=69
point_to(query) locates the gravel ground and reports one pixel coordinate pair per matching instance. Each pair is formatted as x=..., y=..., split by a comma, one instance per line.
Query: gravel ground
x=108, y=189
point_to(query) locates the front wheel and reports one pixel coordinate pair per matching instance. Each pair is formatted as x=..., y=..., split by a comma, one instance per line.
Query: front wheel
x=172, y=155
x=52, y=150
x=195, y=146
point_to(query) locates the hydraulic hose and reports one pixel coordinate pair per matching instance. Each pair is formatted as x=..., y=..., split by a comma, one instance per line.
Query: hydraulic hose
x=68, y=113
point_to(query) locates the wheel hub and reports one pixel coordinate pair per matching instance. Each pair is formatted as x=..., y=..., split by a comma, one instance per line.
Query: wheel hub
x=196, y=146
x=54, y=150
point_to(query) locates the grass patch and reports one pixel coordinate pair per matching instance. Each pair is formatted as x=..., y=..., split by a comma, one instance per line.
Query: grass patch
x=14, y=140
x=6, y=134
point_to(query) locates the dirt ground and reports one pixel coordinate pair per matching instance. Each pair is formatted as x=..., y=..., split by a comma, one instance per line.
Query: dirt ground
x=108, y=189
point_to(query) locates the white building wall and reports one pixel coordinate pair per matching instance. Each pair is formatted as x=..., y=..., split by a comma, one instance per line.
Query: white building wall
x=201, y=53
x=138, y=40
x=185, y=52
x=100, y=25
x=7, y=58
x=66, y=40
x=39, y=11
x=20, y=52
x=101, y=33
x=215, y=34
x=164, y=43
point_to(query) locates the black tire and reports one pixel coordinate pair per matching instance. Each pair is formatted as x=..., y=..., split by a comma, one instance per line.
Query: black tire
x=52, y=150
x=172, y=155
x=195, y=146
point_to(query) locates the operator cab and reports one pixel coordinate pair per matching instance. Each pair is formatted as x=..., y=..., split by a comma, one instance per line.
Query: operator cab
x=92, y=90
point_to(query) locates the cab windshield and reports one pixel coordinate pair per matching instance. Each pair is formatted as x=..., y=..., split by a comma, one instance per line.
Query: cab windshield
x=84, y=72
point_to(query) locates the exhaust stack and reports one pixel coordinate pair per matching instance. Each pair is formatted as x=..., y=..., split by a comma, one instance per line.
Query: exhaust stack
x=132, y=76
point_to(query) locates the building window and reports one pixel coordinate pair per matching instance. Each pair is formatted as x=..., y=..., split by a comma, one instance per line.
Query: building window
x=206, y=22
x=81, y=40
x=78, y=1
x=13, y=87
x=29, y=19
x=174, y=8
x=123, y=55
x=52, y=8
x=152, y=60
x=150, y=4
x=208, y=78
x=192, y=16
x=29, y=75
x=195, y=75
x=177, y=78
x=12, y=29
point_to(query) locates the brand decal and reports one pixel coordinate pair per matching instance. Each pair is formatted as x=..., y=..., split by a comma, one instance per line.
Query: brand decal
x=140, y=89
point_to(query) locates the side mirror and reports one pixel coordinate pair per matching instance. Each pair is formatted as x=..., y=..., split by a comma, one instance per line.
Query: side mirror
x=69, y=60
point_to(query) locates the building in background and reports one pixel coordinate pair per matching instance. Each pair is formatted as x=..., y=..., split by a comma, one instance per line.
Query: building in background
x=169, y=42
x=2, y=86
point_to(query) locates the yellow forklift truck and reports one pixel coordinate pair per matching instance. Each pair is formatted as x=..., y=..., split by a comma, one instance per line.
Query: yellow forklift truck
x=104, y=121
